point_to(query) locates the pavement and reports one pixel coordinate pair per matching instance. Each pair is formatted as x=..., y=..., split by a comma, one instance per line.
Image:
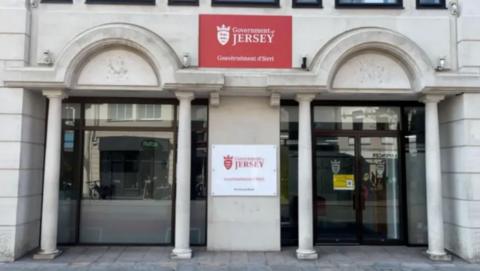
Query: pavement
x=142, y=258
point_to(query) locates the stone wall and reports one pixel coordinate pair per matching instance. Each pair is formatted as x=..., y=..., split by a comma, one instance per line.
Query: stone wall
x=460, y=143
x=243, y=223
x=22, y=119
x=469, y=36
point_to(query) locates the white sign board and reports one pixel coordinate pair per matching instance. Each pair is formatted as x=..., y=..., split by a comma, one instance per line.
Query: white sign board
x=244, y=170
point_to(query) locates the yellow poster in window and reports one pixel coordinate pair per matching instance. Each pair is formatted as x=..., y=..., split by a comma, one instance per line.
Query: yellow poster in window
x=343, y=182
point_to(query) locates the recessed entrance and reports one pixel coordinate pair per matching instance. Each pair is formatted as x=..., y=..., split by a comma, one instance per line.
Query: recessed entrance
x=368, y=163
x=357, y=180
x=358, y=191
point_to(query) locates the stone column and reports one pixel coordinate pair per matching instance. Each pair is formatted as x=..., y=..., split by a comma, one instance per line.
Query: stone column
x=436, y=243
x=51, y=177
x=305, y=202
x=182, y=201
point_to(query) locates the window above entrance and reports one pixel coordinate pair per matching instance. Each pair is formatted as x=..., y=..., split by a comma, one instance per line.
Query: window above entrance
x=380, y=118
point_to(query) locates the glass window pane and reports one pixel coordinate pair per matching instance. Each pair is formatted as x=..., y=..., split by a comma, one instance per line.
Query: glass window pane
x=246, y=2
x=381, y=189
x=69, y=188
x=127, y=187
x=414, y=154
x=430, y=2
x=70, y=114
x=307, y=3
x=198, y=222
x=379, y=118
x=289, y=174
x=368, y=2
x=128, y=115
x=335, y=214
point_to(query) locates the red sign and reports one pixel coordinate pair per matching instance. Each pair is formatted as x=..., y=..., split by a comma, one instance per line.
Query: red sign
x=245, y=41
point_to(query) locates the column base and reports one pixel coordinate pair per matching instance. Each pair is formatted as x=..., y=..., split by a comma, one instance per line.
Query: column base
x=42, y=255
x=307, y=254
x=439, y=257
x=181, y=253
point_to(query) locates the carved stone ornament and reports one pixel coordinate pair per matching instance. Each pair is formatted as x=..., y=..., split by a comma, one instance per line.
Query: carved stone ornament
x=116, y=68
x=371, y=71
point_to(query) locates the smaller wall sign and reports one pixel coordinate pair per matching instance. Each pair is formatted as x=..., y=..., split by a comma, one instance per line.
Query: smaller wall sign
x=343, y=182
x=245, y=41
x=244, y=170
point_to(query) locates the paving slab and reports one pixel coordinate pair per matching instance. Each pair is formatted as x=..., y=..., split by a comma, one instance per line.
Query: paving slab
x=150, y=258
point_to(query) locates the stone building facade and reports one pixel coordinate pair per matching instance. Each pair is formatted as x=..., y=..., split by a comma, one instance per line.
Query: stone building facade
x=110, y=121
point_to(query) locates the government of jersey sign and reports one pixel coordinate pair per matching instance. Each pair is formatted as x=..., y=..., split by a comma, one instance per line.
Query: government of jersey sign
x=242, y=41
x=244, y=170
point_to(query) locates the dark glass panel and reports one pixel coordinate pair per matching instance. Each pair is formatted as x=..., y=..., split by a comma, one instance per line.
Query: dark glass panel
x=289, y=174
x=431, y=4
x=246, y=2
x=307, y=3
x=414, y=153
x=69, y=188
x=335, y=211
x=198, y=221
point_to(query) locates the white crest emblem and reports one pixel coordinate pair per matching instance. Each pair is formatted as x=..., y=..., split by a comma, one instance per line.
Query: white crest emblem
x=223, y=34
x=380, y=168
x=335, y=166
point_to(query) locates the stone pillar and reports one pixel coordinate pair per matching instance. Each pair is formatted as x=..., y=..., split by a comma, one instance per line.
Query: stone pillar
x=51, y=177
x=182, y=201
x=436, y=243
x=305, y=202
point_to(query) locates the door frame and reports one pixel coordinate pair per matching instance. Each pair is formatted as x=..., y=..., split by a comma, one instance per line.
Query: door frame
x=358, y=134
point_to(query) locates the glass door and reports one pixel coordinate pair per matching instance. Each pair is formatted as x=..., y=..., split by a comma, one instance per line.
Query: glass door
x=335, y=192
x=380, y=189
x=357, y=189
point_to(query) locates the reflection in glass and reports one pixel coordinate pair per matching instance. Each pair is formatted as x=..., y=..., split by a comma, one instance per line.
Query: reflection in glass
x=198, y=222
x=138, y=115
x=69, y=188
x=70, y=114
x=289, y=174
x=127, y=187
x=430, y=2
x=380, y=189
x=368, y=1
x=380, y=118
x=414, y=154
x=335, y=189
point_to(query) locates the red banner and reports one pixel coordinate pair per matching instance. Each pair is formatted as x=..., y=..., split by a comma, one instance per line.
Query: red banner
x=245, y=41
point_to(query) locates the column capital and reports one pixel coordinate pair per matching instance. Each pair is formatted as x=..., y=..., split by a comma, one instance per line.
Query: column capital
x=188, y=96
x=304, y=97
x=55, y=93
x=214, y=98
x=275, y=99
x=431, y=98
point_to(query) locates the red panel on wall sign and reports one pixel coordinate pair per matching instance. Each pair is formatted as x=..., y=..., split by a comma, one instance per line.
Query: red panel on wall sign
x=245, y=41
